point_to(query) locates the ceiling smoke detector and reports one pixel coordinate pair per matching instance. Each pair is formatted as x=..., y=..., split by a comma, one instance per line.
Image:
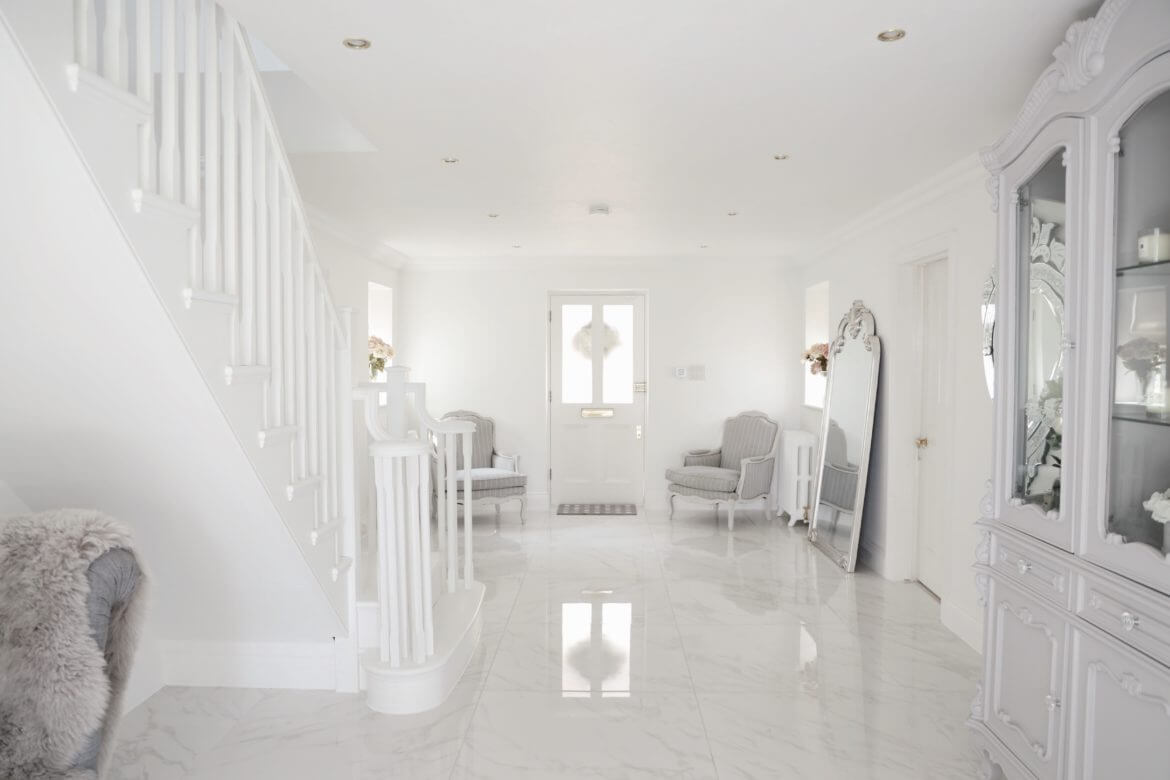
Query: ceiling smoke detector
x=599, y=209
x=450, y=160
x=493, y=215
x=780, y=156
x=357, y=44
x=891, y=35
x=733, y=213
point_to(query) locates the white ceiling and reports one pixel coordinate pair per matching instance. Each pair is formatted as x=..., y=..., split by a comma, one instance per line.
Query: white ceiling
x=667, y=110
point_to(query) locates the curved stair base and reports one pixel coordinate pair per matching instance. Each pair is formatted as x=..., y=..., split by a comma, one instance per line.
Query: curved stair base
x=412, y=688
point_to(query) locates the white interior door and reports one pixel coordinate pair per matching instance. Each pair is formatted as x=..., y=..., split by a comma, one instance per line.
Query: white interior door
x=598, y=398
x=932, y=476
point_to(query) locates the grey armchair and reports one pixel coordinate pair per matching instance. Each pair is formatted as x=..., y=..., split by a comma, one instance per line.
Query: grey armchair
x=740, y=469
x=495, y=478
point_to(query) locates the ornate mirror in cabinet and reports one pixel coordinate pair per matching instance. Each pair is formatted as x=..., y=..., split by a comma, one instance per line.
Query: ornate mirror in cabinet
x=1032, y=349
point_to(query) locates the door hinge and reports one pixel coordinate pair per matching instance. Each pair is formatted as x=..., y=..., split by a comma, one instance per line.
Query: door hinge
x=550, y=473
x=550, y=396
x=550, y=315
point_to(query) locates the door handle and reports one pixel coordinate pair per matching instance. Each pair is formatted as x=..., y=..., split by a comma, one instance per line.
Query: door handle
x=921, y=442
x=590, y=414
x=638, y=432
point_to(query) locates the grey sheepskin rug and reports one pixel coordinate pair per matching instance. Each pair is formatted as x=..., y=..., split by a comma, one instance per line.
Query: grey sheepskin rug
x=56, y=688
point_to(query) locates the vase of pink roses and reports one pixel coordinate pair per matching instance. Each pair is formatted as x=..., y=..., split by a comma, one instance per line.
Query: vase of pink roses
x=817, y=357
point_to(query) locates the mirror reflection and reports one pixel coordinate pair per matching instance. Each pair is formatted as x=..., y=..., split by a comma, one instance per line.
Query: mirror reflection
x=846, y=431
x=1040, y=431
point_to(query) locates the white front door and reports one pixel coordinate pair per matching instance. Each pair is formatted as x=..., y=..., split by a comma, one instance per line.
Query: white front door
x=932, y=471
x=598, y=398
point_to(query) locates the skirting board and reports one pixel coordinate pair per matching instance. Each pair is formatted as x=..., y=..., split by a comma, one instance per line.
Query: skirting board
x=962, y=625
x=300, y=665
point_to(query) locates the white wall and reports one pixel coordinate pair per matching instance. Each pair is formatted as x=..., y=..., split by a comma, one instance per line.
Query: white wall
x=949, y=215
x=476, y=332
x=10, y=503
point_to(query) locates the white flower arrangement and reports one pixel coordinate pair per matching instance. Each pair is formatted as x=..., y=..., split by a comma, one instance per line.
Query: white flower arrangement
x=1158, y=505
x=380, y=354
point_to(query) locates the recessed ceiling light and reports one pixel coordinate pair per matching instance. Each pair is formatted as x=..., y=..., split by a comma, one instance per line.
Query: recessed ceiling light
x=450, y=160
x=780, y=156
x=891, y=35
x=702, y=246
x=732, y=213
x=493, y=215
x=357, y=44
x=599, y=210
x=515, y=246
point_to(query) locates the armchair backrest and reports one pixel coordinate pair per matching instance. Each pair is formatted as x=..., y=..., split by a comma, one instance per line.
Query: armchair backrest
x=747, y=435
x=483, y=441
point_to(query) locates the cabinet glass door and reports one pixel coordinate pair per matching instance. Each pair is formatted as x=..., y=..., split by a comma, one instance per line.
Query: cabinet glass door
x=1041, y=240
x=1139, y=457
x=1041, y=244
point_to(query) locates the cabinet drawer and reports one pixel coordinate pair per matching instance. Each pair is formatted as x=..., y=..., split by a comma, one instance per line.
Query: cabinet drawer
x=1121, y=717
x=1123, y=610
x=1026, y=678
x=1039, y=572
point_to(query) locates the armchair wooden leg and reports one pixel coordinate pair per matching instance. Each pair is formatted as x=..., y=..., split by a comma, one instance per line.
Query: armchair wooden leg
x=731, y=516
x=670, y=505
x=523, y=510
x=497, y=514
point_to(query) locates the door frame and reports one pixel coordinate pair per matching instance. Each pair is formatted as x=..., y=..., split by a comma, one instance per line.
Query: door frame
x=548, y=369
x=906, y=402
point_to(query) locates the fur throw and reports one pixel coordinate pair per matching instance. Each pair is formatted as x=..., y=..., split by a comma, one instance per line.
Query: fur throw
x=56, y=688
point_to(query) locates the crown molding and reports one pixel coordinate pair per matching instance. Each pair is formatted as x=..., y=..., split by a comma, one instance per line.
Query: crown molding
x=590, y=263
x=952, y=178
x=366, y=245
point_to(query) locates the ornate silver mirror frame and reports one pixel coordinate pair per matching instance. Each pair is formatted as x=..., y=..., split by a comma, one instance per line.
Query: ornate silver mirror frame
x=987, y=313
x=846, y=435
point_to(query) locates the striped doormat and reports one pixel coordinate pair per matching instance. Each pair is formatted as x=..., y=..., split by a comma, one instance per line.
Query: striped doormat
x=597, y=509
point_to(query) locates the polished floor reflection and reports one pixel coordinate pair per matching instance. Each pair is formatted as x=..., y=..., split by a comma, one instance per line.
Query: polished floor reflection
x=626, y=647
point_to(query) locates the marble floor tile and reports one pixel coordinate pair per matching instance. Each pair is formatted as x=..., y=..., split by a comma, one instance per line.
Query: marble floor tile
x=542, y=597
x=625, y=647
x=595, y=649
x=549, y=735
x=162, y=737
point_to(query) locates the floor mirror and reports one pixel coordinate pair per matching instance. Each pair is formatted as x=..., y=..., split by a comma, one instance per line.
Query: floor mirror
x=846, y=431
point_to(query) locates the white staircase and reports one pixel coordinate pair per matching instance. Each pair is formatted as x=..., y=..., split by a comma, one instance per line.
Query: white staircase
x=165, y=106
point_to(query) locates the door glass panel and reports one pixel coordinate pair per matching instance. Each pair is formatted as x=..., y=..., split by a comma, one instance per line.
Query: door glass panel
x=1139, y=466
x=617, y=373
x=577, y=353
x=1040, y=372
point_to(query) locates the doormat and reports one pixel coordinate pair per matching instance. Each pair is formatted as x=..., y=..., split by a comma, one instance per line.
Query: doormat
x=597, y=509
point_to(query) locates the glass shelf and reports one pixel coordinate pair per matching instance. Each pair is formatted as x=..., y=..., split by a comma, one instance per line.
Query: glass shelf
x=1159, y=268
x=1141, y=417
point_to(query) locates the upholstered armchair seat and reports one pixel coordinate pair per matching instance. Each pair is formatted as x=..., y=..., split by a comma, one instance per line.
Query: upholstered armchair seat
x=710, y=478
x=491, y=479
x=740, y=469
x=495, y=477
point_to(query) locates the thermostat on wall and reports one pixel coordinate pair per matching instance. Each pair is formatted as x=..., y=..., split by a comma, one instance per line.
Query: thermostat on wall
x=693, y=373
x=680, y=372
